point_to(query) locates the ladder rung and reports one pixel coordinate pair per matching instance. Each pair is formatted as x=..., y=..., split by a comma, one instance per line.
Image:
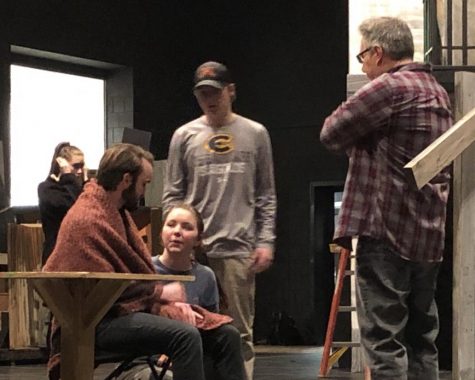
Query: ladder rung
x=345, y=344
x=346, y=308
x=349, y=272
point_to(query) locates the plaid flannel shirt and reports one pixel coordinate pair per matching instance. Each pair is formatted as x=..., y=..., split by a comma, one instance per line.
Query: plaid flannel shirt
x=382, y=127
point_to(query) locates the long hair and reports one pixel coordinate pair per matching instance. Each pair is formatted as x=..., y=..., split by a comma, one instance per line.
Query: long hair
x=64, y=150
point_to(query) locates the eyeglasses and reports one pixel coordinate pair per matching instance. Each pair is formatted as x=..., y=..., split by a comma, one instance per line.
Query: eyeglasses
x=78, y=165
x=361, y=54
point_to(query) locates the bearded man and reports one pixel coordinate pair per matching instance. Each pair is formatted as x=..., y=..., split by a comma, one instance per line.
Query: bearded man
x=99, y=235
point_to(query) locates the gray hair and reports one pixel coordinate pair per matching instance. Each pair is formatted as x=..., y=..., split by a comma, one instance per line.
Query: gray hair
x=391, y=33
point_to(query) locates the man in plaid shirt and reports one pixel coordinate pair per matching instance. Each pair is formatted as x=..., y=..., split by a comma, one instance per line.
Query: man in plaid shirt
x=400, y=228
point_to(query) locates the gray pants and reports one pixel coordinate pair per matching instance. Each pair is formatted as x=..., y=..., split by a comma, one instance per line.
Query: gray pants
x=239, y=284
x=397, y=313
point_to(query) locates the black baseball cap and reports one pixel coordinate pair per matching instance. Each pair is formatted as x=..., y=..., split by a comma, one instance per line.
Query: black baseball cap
x=212, y=74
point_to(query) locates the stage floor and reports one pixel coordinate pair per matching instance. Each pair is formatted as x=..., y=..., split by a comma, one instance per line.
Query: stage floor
x=272, y=363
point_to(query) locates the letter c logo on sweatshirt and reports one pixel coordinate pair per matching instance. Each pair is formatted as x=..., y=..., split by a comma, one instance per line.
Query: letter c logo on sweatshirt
x=221, y=143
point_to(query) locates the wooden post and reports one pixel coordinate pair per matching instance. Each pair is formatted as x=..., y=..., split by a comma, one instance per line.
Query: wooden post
x=457, y=144
x=463, y=345
x=26, y=311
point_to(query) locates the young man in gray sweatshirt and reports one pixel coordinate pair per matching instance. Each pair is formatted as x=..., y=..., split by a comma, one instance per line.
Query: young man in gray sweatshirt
x=221, y=163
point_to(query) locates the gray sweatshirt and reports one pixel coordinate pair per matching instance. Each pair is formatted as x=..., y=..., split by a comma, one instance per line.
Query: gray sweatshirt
x=227, y=174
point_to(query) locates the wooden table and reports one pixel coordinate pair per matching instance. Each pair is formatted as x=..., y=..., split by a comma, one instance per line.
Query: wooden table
x=79, y=300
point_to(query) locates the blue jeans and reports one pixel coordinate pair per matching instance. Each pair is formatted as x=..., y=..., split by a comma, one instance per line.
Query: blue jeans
x=148, y=334
x=397, y=313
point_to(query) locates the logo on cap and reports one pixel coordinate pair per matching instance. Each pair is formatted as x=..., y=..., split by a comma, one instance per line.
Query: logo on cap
x=207, y=72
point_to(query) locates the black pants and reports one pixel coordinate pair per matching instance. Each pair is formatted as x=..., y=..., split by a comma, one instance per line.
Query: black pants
x=147, y=334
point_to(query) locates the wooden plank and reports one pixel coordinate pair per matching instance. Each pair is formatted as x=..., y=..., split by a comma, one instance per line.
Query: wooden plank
x=26, y=311
x=76, y=357
x=427, y=164
x=97, y=275
x=463, y=340
x=18, y=300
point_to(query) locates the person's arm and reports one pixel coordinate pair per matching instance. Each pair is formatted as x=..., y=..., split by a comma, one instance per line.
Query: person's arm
x=181, y=311
x=175, y=185
x=60, y=195
x=266, y=205
x=358, y=120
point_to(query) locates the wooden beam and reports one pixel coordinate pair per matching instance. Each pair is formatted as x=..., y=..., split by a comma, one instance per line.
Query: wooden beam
x=98, y=276
x=427, y=164
x=463, y=327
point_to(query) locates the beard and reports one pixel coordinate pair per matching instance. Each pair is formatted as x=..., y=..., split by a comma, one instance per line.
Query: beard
x=131, y=199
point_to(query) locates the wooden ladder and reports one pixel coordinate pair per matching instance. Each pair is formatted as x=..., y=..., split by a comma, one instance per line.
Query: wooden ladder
x=329, y=359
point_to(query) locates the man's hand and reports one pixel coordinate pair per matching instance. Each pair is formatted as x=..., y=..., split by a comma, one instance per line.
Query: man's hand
x=263, y=258
x=189, y=316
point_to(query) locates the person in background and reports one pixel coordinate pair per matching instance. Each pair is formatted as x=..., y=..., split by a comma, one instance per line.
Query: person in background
x=59, y=191
x=221, y=164
x=99, y=235
x=400, y=228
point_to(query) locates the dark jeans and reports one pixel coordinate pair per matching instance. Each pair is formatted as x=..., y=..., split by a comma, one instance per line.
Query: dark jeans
x=223, y=354
x=147, y=334
x=397, y=313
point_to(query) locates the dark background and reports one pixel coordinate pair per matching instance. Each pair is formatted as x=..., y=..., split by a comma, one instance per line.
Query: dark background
x=289, y=60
